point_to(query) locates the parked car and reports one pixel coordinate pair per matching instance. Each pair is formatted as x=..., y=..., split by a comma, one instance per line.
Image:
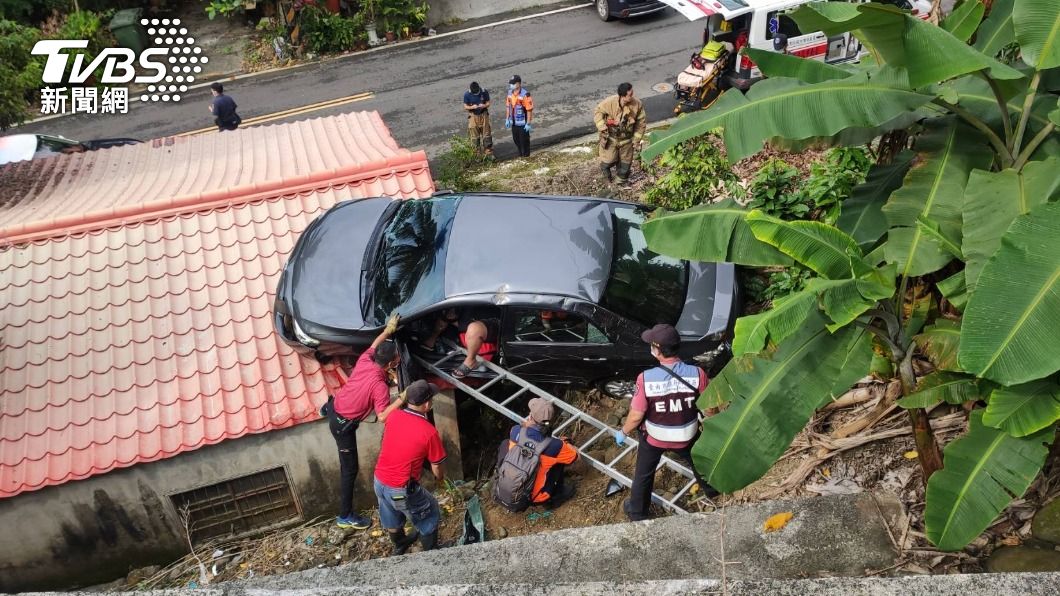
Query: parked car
x=609, y=10
x=24, y=147
x=569, y=281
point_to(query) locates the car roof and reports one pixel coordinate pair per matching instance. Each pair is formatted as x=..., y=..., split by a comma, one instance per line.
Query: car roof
x=518, y=244
x=17, y=148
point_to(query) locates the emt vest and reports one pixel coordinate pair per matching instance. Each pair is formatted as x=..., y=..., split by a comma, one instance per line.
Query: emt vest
x=672, y=415
x=518, y=104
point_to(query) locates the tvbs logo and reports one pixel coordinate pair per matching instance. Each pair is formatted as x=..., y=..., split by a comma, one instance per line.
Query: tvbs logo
x=164, y=71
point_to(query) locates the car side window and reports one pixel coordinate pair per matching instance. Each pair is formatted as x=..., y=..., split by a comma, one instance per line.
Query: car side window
x=554, y=326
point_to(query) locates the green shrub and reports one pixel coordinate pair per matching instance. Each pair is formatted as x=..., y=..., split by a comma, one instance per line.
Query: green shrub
x=774, y=190
x=831, y=181
x=20, y=72
x=225, y=8
x=325, y=32
x=458, y=166
x=698, y=173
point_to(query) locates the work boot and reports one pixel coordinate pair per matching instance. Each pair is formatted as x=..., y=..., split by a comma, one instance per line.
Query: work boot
x=605, y=169
x=429, y=541
x=622, y=173
x=627, y=507
x=563, y=494
x=401, y=541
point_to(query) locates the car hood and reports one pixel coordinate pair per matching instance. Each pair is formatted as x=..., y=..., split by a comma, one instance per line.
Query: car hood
x=709, y=301
x=323, y=274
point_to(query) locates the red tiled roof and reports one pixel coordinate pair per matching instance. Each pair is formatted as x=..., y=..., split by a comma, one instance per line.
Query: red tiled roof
x=167, y=176
x=148, y=336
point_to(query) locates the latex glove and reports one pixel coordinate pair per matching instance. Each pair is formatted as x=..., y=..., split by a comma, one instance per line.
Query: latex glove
x=508, y=123
x=620, y=437
x=392, y=323
x=528, y=128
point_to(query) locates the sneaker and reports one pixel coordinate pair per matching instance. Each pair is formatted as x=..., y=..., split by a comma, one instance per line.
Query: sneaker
x=353, y=521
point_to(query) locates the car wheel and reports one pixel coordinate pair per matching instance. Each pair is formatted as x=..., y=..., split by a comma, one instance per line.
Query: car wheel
x=603, y=10
x=618, y=387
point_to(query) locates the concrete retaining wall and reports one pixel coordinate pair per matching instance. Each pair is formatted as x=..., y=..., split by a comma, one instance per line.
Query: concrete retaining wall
x=444, y=10
x=98, y=529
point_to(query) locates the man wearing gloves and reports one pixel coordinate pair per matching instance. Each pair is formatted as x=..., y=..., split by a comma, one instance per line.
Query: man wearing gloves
x=409, y=439
x=367, y=388
x=520, y=108
x=621, y=122
x=664, y=408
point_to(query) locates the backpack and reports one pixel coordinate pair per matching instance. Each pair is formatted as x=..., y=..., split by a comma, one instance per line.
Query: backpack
x=517, y=471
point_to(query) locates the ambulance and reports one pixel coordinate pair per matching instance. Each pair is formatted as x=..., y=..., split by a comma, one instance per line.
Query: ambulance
x=767, y=25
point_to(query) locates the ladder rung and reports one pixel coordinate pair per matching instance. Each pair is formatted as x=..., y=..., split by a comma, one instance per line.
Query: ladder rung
x=595, y=437
x=624, y=453
x=445, y=358
x=566, y=422
x=495, y=379
x=515, y=396
x=683, y=490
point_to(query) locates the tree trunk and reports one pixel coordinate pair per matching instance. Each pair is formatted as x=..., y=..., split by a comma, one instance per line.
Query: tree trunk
x=927, y=449
x=936, y=12
x=890, y=145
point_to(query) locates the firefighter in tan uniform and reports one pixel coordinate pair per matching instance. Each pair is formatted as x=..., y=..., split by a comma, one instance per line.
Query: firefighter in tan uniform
x=622, y=122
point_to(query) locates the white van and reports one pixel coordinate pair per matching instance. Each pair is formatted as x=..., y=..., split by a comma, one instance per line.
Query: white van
x=767, y=25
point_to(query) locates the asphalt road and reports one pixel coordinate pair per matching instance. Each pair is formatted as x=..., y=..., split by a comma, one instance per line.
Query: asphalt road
x=568, y=61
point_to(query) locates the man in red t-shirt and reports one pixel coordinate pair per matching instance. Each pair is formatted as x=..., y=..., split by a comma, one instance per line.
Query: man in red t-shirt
x=367, y=389
x=409, y=439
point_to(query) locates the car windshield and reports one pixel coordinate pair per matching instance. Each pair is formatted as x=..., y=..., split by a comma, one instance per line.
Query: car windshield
x=407, y=274
x=643, y=286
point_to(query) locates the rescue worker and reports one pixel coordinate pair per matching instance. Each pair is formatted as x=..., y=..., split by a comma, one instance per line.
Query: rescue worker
x=664, y=408
x=621, y=122
x=477, y=103
x=366, y=389
x=549, y=487
x=520, y=115
x=409, y=439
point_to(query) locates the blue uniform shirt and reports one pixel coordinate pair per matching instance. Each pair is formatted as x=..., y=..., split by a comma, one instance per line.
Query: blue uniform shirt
x=473, y=99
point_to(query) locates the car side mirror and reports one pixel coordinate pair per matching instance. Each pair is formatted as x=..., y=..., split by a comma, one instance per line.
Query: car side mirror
x=780, y=42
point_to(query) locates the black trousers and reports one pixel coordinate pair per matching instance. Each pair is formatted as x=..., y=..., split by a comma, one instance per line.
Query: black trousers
x=648, y=457
x=345, y=433
x=522, y=140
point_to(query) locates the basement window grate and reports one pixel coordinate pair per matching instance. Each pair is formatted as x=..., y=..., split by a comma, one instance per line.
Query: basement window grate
x=238, y=506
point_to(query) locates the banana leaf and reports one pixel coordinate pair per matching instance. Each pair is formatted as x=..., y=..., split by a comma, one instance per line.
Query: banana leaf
x=1009, y=326
x=818, y=246
x=711, y=233
x=985, y=470
x=997, y=31
x=941, y=343
x=955, y=290
x=929, y=53
x=993, y=200
x=807, y=70
x=1024, y=409
x=788, y=108
x=952, y=388
x=754, y=332
x=964, y=20
x=1037, y=25
x=771, y=397
x=862, y=214
x=934, y=189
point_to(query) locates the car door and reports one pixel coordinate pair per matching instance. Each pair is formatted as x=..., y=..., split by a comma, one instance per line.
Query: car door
x=555, y=346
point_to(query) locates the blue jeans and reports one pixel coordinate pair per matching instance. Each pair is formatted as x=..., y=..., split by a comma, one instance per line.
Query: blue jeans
x=398, y=504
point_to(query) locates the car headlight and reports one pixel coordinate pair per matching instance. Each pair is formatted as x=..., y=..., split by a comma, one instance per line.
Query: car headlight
x=302, y=337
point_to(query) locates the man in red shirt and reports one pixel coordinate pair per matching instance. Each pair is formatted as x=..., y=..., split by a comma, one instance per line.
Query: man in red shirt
x=409, y=439
x=365, y=390
x=664, y=408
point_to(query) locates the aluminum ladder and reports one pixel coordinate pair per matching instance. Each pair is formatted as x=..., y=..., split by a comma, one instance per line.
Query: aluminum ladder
x=575, y=415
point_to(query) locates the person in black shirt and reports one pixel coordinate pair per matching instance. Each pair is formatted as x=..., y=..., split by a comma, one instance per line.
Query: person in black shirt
x=479, y=335
x=223, y=108
x=477, y=103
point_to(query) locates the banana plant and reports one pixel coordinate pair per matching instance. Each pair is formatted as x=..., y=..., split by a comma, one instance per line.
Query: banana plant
x=966, y=219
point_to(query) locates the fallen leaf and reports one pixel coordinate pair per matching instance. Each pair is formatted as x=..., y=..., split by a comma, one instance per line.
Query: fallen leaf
x=1011, y=541
x=377, y=533
x=778, y=521
x=827, y=472
x=694, y=489
x=910, y=455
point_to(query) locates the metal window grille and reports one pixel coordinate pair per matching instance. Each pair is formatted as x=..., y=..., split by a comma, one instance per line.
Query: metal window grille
x=239, y=505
